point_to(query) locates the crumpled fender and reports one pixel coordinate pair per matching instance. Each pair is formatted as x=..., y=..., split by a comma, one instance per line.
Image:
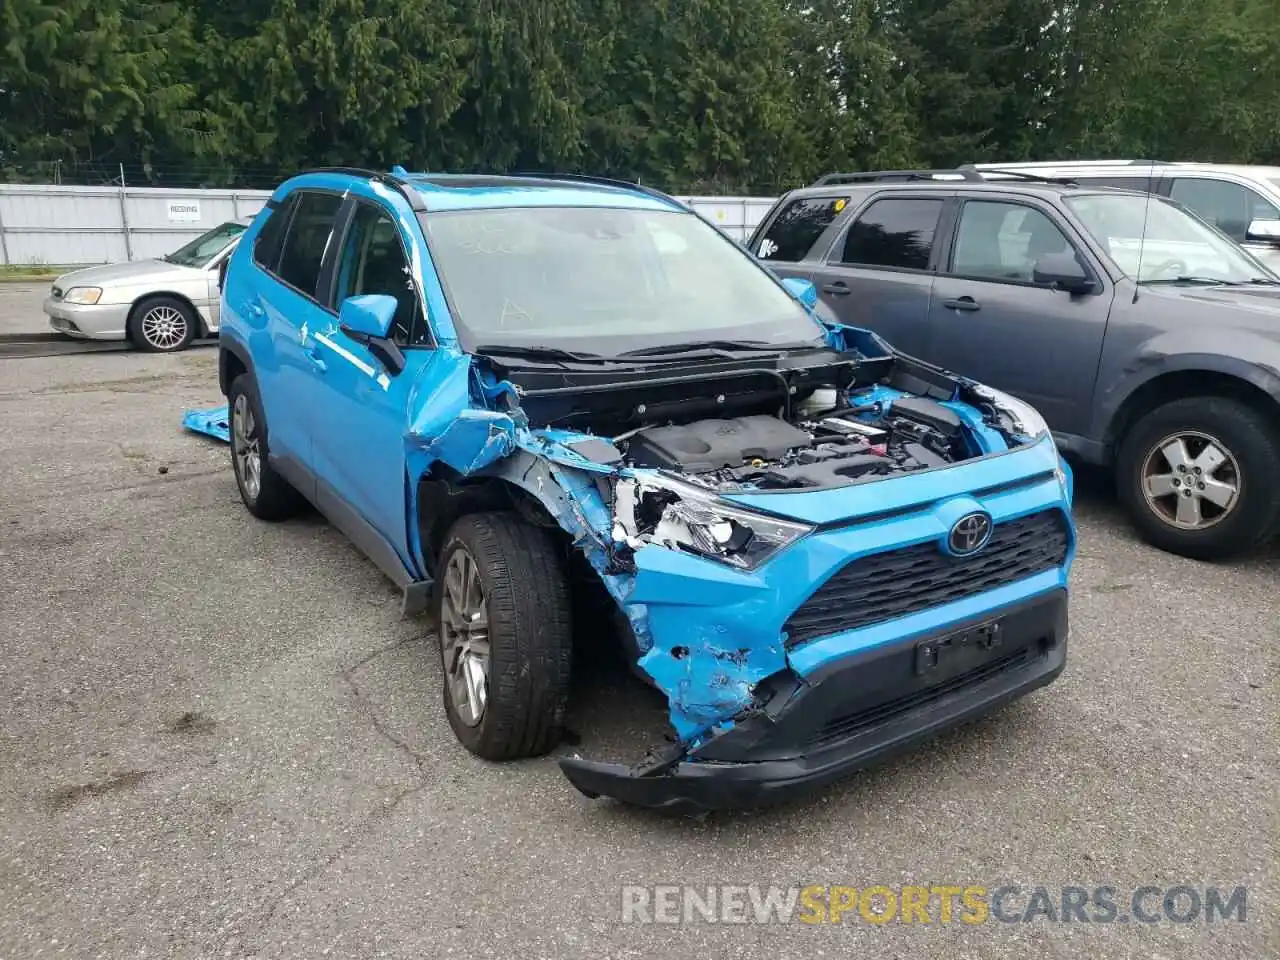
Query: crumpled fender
x=706, y=667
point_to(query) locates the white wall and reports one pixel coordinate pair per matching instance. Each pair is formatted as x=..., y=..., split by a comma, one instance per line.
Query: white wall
x=56, y=225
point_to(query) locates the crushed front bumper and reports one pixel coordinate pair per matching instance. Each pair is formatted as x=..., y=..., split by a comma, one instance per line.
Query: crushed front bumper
x=812, y=731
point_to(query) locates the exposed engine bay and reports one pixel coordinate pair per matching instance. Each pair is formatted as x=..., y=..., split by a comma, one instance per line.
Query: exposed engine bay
x=829, y=448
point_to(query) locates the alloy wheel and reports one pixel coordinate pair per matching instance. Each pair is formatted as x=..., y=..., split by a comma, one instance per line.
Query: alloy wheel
x=1191, y=480
x=164, y=327
x=245, y=447
x=464, y=638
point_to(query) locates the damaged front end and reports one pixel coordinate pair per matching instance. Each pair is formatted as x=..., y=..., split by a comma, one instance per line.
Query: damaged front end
x=713, y=508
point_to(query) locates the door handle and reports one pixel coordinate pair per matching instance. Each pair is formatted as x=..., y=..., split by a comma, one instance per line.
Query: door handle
x=316, y=360
x=256, y=310
x=962, y=303
x=837, y=289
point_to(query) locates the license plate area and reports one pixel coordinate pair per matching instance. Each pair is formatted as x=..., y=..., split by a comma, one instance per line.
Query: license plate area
x=941, y=658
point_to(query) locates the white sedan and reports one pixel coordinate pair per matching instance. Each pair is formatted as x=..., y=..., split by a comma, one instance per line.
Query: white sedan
x=160, y=305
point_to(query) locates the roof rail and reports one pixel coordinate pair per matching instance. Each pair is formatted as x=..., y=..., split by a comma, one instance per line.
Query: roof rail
x=406, y=187
x=586, y=178
x=1150, y=163
x=1013, y=174
x=882, y=175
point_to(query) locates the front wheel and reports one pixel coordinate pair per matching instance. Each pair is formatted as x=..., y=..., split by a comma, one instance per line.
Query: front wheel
x=162, y=325
x=505, y=628
x=1197, y=475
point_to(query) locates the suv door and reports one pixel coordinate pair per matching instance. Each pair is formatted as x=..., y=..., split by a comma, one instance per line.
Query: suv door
x=994, y=323
x=277, y=300
x=879, y=274
x=1229, y=206
x=357, y=407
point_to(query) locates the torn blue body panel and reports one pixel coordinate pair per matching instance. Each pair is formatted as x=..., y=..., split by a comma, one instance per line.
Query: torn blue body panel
x=213, y=422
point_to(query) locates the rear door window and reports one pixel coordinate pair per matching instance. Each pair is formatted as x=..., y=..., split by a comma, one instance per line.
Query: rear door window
x=797, y=228
x=894, y=232
x=266, y=247
x=308, y=239
x=1228, y=206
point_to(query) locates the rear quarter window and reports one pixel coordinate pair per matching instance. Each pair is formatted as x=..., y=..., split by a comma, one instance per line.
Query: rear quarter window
x=266, y=246
x=797, y=228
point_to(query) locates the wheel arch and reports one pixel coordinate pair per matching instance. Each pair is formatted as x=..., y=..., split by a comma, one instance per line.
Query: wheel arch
x=233, y=360
x=201, y=329
x=1249, y=383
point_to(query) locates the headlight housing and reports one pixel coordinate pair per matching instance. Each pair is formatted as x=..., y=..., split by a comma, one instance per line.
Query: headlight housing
x=84, y=295
x=684, y=516
x=1024, y=418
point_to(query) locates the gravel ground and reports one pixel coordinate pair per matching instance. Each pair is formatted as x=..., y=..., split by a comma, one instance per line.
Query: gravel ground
x=220, y=739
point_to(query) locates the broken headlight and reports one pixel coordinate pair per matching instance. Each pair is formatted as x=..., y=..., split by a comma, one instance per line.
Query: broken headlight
x=1024, y=419
x=698, y=521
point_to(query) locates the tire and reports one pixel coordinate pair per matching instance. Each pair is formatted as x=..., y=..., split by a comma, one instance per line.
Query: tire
x=1251, y=445
x=162, y=325
x=527, y=617
x=270, y=497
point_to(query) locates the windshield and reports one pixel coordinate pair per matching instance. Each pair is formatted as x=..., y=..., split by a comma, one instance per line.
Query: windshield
x=1177, y=245
x=205, y=247
x=605, y=281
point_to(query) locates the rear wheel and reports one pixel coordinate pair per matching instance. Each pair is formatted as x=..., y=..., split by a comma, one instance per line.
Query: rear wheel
x=1197, y=477
x=162, y=325
x=505, y=628
x=266, y=494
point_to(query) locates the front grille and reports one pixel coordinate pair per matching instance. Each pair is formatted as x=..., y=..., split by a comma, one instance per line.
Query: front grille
x=841, y=728
x=883, y=586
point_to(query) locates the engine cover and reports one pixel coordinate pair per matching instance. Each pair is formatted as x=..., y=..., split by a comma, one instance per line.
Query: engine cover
x=707, y=445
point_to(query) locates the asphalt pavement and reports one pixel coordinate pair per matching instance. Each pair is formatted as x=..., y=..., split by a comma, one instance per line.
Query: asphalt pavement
x=220, y=739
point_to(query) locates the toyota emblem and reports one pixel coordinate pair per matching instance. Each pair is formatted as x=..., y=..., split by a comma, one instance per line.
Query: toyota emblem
x=969, y=534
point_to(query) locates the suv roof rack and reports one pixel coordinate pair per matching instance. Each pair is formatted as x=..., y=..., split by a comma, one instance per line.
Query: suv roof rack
x=393, y=178
x=875, y=176
x=965, y=173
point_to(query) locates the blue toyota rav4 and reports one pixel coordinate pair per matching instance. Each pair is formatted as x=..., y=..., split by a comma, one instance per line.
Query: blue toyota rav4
x=563, y=409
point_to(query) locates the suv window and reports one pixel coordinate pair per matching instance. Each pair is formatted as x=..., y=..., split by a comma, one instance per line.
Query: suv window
x=266, y=248
x=373, y=261
x=895, y=232
x=1121, y=183
x=1003, y=241
x=308, y=238
x=1229, y=206
x=798, y=226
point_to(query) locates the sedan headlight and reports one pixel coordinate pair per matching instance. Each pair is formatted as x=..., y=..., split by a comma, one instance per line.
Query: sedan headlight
x=85, y=295
x=691, y=518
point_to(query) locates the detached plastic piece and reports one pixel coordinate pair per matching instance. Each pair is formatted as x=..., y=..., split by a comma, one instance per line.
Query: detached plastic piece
x=215, y=422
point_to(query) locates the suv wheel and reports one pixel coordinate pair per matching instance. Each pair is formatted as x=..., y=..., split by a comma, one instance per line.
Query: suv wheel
x=506, y=647
x=266, y=494
x=1196, y=476
x=162, y=325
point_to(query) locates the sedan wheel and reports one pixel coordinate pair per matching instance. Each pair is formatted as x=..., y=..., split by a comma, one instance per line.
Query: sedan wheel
x=464, y=638
x=1191, y=480
x=163, y=327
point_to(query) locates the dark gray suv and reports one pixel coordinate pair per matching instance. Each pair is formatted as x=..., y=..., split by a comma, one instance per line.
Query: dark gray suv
x=1148, y=339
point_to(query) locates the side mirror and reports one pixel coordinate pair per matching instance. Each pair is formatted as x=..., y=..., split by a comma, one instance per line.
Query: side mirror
x=367, y=319
x=1264, y=231
x=1063, y=271
x=802, y=290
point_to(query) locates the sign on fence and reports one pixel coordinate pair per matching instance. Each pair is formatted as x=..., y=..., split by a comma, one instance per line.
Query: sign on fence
x=184, y=211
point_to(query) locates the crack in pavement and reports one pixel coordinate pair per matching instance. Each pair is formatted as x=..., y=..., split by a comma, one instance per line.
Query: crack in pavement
x=367, y=826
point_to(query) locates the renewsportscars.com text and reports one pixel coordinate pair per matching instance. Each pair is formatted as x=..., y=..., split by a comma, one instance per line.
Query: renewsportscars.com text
x=933, y=903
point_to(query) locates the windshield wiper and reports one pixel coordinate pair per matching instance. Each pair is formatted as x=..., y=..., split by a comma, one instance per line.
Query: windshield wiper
x=1264, y=282
x=727, y=348
x=1199, y=281
x=551, y=354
